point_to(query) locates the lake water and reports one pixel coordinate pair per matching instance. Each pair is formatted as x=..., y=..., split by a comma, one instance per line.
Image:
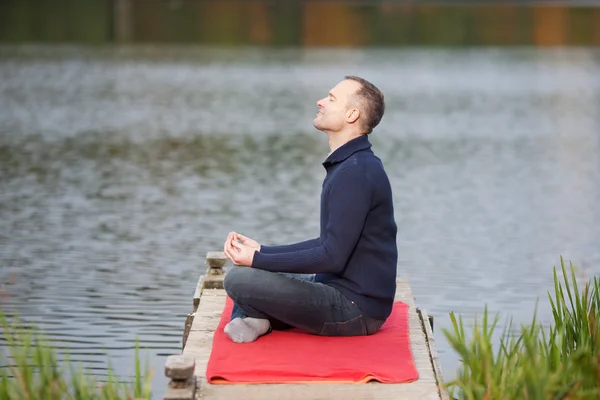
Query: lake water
x=120, y=167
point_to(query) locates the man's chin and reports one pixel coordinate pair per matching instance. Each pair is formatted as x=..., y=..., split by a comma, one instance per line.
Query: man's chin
x=316, y=124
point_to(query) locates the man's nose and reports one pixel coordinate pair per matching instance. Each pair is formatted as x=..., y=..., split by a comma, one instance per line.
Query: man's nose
x=320, y=103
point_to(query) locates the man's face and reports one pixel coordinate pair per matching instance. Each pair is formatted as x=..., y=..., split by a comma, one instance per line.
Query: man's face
x=335, y=108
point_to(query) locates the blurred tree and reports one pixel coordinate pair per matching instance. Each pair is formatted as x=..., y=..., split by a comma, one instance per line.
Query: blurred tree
x=503, y=25
x=296, y=22
x=443, y=25
x=550, y=25
x=148, y=21
x=88, y=21
x=332, y=24
x=395, y=25
x=222, y=22
x=180, y=18
x=596, y=25
x=286, y=21
x=16, y=21
x=581, y=26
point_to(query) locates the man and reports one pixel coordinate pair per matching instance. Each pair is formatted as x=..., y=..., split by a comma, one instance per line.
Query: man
x=350, y=269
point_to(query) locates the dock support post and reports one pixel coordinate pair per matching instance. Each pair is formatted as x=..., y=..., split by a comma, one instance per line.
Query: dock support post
x=180, y=368
x=215, y=260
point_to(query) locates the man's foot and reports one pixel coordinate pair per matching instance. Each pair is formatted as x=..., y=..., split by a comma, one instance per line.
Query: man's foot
x=236, y=330
x=259, y=326
x=246, y=330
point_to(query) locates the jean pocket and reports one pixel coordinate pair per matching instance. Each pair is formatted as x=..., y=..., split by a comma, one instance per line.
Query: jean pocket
x=353, y=327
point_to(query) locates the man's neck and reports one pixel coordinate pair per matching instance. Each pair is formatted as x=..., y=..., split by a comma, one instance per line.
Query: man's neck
x=337, y=140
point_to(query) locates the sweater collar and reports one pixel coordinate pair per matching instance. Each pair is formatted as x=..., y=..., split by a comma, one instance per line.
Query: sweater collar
x=347, y=149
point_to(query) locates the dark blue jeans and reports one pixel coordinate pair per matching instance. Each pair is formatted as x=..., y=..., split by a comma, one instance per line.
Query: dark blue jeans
x=237, y=312
x=287, y=301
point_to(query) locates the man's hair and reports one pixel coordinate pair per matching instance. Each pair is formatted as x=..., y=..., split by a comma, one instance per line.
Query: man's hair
x=371, y=102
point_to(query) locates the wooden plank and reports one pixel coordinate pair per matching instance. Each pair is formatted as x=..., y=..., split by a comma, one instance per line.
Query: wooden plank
x=198, y=292
x=190, y=318
x=435, y=360
x=206, y=320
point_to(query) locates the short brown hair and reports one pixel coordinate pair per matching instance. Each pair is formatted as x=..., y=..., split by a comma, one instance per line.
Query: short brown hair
x=371, y=101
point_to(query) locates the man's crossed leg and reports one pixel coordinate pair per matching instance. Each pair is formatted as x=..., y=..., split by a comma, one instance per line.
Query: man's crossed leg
x=242, y=329
x=265, y=300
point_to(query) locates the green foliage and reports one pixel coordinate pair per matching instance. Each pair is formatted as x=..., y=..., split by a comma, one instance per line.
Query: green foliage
x=29, y=370
x=561, y=361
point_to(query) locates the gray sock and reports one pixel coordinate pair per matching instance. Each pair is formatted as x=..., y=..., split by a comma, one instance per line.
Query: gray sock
x=236, y=329
x=259, y=326
x=246, y=330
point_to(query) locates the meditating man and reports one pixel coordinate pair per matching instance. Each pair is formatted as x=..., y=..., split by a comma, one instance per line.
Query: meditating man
x=348, y=274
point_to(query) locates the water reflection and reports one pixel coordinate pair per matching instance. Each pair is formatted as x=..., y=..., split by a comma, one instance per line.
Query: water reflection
x=121, y=167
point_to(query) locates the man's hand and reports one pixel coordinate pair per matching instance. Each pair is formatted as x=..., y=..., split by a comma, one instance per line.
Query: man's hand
x=239, y=254
x=246, y=241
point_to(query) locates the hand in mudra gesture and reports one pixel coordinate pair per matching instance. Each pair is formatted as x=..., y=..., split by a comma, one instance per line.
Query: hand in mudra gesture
x=246, y=241
x=240, y=249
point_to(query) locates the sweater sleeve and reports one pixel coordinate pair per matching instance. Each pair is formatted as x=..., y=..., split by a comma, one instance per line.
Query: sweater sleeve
x=307, y=244
x=347, y=205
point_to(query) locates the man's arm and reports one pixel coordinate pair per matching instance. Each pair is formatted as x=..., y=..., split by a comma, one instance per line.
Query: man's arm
x=288, y=248
x=349, y=203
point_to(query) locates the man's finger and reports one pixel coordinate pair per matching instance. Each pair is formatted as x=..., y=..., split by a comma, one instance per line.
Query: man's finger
x=230, y=243
x=233, y=259
x=237, y=245
x=228, y=256
x=231, y=256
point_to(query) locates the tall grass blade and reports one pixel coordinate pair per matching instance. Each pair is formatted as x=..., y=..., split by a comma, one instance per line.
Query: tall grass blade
x=32, y=371
x=561, y=361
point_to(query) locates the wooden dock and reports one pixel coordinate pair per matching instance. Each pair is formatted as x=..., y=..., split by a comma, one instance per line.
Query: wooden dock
x=202, y=323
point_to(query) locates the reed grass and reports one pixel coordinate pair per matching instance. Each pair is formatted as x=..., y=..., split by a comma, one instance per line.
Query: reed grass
x=30, y=370
x=559, y=361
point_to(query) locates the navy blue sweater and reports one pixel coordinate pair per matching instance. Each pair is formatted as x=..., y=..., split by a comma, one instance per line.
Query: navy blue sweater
x=356, y=251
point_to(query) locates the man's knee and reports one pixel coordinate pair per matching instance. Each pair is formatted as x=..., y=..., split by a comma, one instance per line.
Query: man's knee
x=236, y=281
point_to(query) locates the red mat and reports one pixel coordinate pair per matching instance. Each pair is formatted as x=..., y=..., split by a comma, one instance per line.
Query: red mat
x=294, y=356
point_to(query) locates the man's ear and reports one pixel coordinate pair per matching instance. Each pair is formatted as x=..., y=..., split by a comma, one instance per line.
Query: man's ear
x=352, y=115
